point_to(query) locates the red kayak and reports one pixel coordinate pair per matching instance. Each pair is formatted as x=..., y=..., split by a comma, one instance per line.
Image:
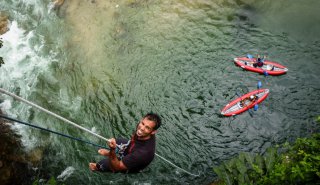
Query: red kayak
x=245, y=102
x=269, y=67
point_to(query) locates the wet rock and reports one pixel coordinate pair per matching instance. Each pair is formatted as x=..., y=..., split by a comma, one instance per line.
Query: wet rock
x=58, y=3
x=35, y=156
x=3, y=24
x=14, y=168
x=3, y=28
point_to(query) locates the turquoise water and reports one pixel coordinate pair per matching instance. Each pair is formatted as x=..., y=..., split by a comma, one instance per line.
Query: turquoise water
x=105, y=64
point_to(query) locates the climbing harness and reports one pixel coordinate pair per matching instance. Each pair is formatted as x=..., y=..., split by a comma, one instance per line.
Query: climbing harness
x=121, y=149
x=80, y=127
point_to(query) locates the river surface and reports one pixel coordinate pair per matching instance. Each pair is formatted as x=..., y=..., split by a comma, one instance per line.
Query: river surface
x=104, y=64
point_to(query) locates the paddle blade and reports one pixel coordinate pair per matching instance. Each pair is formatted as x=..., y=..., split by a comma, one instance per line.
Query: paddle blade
x=256, y=106
x=250, y=112
x=265, y=73
x=238, y=94
x=259, y=84
x=249, y=56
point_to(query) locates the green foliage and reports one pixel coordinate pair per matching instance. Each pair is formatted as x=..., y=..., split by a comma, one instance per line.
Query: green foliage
x=299, y=164
x=51, y=181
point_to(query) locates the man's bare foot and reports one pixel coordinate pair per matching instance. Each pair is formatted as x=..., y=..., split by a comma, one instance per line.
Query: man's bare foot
x=103, y=152
x=93, y=167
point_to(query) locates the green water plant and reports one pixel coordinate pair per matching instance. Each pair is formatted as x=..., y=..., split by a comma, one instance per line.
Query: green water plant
x=298, y=163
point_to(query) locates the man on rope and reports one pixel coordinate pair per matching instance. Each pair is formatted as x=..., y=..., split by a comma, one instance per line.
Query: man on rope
x=133, y=155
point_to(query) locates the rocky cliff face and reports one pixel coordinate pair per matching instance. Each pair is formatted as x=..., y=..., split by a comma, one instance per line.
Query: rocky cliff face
x=15, y=164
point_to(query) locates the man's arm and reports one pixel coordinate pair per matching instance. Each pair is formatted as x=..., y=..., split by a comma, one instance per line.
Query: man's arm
x=115, y=164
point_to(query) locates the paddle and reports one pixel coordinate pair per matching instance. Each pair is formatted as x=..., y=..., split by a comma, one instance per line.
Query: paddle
x=265, y=73
x=259, y=85
x=250, y=112
x=256, y=106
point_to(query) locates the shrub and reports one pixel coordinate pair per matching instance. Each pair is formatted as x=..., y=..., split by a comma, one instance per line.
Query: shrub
x=296, y=164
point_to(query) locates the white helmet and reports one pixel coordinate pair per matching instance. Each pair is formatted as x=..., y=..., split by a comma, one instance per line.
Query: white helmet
x=251, y=97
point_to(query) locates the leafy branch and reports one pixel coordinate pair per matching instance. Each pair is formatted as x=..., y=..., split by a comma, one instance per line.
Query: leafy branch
x=298, y=164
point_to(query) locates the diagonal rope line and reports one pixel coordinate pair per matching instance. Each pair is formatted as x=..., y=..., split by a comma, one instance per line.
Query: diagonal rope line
x=51, y=113
x=80, y=127
x=51, y=131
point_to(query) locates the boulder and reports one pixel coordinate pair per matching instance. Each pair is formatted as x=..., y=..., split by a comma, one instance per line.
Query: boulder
x=58, y=3
x=14, y=168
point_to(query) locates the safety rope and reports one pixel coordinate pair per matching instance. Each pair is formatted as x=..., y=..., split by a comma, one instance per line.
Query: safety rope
x=51, y=131
x=51, y=113
x=80, y=127
x=120, y=149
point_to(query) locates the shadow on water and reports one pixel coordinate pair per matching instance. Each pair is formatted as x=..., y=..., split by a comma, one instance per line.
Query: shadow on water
x=123, y=59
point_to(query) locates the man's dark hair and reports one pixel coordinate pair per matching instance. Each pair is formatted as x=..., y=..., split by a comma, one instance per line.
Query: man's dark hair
x=154, y=117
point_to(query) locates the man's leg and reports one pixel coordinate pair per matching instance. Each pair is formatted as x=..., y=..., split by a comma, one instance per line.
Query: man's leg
x=103, y=152
x=93, y=166
x=101, y=166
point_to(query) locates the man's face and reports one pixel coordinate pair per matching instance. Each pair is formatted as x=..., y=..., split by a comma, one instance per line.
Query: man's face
x=145, y=128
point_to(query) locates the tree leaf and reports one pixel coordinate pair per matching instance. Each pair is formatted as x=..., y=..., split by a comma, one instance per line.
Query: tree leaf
x=259, y=161
x=269, y=159
x=250, y=159
x=241, y=165
x=223, y=174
